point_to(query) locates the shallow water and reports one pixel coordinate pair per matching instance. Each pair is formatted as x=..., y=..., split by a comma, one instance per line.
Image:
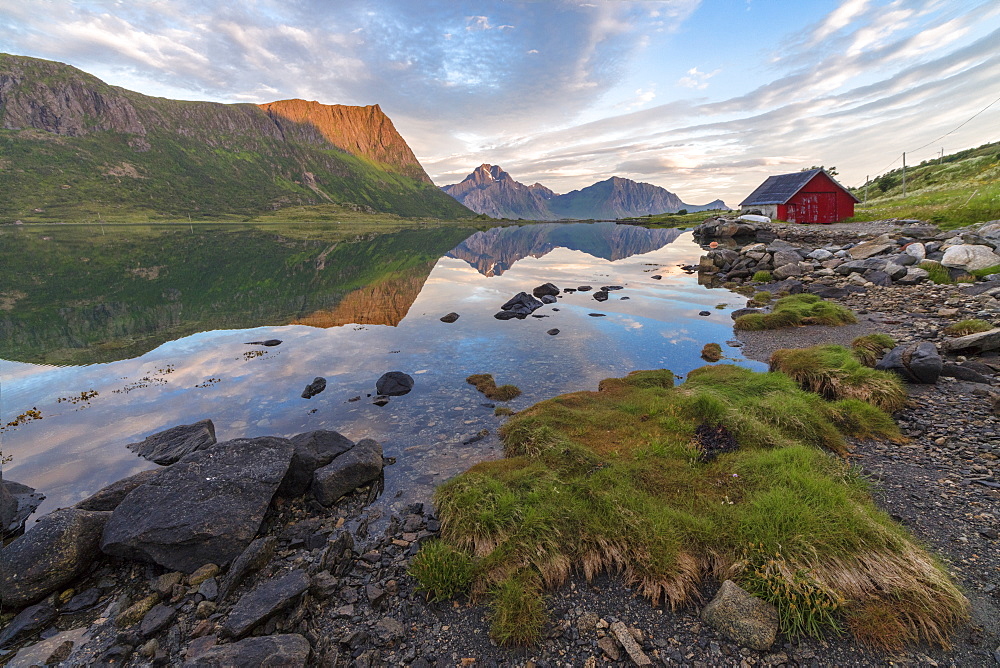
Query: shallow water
x=252, y=390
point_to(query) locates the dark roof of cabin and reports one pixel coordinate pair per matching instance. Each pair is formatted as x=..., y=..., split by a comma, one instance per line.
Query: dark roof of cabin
x=781, y=188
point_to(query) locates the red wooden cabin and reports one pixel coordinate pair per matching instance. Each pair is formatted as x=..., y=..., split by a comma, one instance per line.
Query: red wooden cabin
x=812, y=196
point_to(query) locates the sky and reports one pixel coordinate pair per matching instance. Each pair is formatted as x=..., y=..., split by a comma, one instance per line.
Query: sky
x=703, y=97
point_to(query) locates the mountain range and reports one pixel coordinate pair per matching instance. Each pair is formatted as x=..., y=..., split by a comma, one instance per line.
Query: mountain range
x=492, y=191
x=72, y=146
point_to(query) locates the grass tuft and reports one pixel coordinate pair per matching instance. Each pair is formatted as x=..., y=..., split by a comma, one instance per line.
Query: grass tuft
x=833, y=372
x=616, y=481
x=870, y=348
x=711, y=352
x=441, y=571
x=484, y=383
x=936, y=272
x=502, y=411
x=795, y=311
x=762, y=277
x=966, y=327
x=762, y=298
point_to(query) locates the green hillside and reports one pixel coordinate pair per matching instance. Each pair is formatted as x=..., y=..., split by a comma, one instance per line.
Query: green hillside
x=82, y=150
x=957, y=190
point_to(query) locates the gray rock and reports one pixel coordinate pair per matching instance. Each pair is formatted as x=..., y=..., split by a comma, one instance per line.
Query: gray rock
x=109, y=497
x=356, y=467
x=783, y=257
x=970, y=257
x=981, y=342
x=450, y=317
x=627, y=641
x=158, y=618
x=913, y=276
x=744, y=311
x=251, y=560
x=744, y=619
x=545, y=290
x=548, y=299
x=913, y=362
x=313, y=449
x=17, y=502
x=916, y=250
x=54, y=650
x=167, y=447
x=389, y=630
x=820, y=254
x=895, y=271
x=904, y=259
x=522, y=304
x=877, y=277
x=206, y=508
x=315, y=387
x=57, y=550
x=265, y=600
x=280, y=651
x=601, y=295
x=30, y=620
x=876, y=246
x=394, y=384
x=860, y=266
x=964, y=373
x=83, y=601
x=787, y=271
x=791, y=286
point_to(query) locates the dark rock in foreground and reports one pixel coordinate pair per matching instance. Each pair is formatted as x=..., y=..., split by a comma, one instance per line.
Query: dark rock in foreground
x=914, y=362
x=264, y=601
x=521, y=304
x=356, y=467
x=57, y=550
x=258, y=553
x=314, y=388
x=450, y=318
x=286, y=651
x=601, y=295
x=109, y=497
x=394, y=384
x=313, y=450
x=546, y=289
x=17, y=502
x=206, y=508
x=31, y=620
x=166, y=447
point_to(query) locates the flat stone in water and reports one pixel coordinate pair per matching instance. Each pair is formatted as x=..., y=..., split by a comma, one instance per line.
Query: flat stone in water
x=597, y=315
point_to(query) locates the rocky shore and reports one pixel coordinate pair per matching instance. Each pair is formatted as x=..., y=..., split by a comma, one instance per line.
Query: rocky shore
x=222, y=559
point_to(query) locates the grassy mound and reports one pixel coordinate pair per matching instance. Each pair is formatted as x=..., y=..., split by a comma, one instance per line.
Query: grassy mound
x=484, y=383
x=616, y=480
x=966, y=327
x=795, y=311
x=711, y=352
x=834, y=372
x=870, y=348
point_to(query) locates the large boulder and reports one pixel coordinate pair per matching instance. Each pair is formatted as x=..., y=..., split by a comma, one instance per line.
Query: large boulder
x=744, y=619
x=17, y=502
x=860, y=266
x=167, y=447
x=876, y=246
x=206, y=508
x=974, y=343
x=315, y=387
x=521, y=304
x=264, y=601
x=970, y=257
x=313, y=450
x=358, y=466
x=280, y=651
x=394, y=384
x=916, y=250
x=913, y=362
x=545, y=290
x=57, y=550
x=109, y=497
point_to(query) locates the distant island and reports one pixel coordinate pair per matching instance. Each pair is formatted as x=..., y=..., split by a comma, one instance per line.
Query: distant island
x=491, y=191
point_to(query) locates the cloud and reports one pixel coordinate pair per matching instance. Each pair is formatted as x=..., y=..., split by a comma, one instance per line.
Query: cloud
x=696, y=79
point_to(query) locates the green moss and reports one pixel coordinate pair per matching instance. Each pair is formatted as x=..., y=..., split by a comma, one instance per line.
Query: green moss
x=484, y=383
x=614, y=481
x=835, y=373
x=966, y=327
x=797, y=310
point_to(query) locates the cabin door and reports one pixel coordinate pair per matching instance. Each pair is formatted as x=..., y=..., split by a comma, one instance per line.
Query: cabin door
x=817, y=208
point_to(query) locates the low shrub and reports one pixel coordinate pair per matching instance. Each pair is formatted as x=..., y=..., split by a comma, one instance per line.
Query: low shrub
x=762, y=277
x=797, y=310
x=485, y=383
x=711, y=352
x=966, y=327
x=441, y=571
x=833, y=372
x=869, y=349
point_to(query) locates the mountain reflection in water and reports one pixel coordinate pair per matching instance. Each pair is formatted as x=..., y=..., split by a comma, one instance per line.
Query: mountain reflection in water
x=77, y=448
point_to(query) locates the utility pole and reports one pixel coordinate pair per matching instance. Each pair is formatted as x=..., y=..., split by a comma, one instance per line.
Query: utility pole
x=941, y=159
x=904, y=173
x=866, y=188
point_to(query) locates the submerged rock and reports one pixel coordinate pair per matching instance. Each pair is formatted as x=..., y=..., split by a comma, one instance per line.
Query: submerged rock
x=167, y=447
x=394, y=384
x=269, y=343
x=743, y=618
x=206, y=508
x=17, y=502
x=56, y=551
x=314, y=388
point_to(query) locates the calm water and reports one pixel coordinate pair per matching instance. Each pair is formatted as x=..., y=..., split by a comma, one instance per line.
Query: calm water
x=251, y=390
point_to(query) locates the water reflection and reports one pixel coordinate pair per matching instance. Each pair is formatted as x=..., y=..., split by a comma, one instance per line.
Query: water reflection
x=252, y=391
